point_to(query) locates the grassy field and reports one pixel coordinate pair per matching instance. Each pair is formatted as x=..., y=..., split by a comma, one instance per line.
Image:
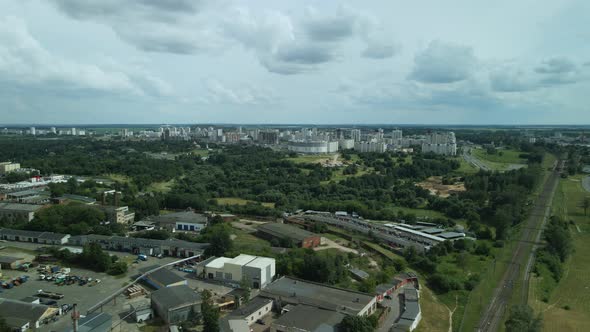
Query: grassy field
x=310, y=158
x=383, y=251
x=501, y=157
x=435, y=314
x=200, y=152
x=239, y=201
x=338, y=175
x=572, y=290
x=118, y=177
x=162, y=187
x=465, y=168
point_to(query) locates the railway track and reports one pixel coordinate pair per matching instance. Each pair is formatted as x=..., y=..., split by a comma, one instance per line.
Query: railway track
x=522, y=258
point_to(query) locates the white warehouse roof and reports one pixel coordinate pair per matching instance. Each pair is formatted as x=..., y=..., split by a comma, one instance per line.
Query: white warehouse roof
x=242, y=259
x=261, y=262
x=218, y=263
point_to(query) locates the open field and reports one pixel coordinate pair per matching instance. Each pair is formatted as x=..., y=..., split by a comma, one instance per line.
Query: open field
x=118, y=177
x=239, y=201
x=502, y=156
x=573, y=289
x=338, y=175
x=435, y=185
x=162, y=187
x=436, y=313
x=311, y=159
x=465, y=168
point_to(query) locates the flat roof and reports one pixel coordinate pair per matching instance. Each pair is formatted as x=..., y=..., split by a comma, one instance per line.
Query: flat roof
x=451, y=235
x=419, y=233
x=20, y=207
x=433, y=230
x=242, y=259
x=218, y=262
x=318, y=295
x=162, y=276
x=308, y=318
x=176, y=296
x=251, y=307
x=284, y=230
x=9, y=259
x=261, y=262
x=411, y=311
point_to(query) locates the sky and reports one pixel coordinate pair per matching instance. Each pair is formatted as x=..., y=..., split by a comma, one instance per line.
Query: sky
x=298, y=61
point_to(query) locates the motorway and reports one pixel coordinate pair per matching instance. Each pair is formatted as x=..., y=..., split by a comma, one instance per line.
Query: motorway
x=474, y=161
x=493, y=316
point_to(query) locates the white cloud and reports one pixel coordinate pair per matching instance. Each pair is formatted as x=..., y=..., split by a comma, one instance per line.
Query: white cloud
x=24, y=61
x=443, y=62
x=242, y=94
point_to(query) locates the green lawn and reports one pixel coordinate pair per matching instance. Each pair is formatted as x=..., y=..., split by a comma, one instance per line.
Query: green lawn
x=465, y=168
x=248, y=243
x=435, y=315
x=200, y=152
x=162, y=187
x=310, y=158
x=239, y=201
x=573, y=289
x=118, y=177
x=383, y=251
x=501, y=156
x=338, y=175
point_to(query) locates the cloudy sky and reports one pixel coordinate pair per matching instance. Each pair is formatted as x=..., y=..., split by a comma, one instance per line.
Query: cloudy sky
x=298, y=61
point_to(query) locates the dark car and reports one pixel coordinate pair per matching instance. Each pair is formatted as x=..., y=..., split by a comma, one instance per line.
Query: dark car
x=65, y=308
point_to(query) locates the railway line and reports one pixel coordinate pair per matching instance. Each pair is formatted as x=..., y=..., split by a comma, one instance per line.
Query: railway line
x=522, y=258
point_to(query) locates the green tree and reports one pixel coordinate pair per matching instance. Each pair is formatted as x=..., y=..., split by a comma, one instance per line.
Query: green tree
x=357, y=324
x=3, y=326
x=522, y=319
x=219, y=241
x=117, y=268
x=209, y=312
x=586, y=205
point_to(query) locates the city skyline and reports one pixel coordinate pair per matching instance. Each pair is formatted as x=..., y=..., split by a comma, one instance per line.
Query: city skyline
x=67, y=62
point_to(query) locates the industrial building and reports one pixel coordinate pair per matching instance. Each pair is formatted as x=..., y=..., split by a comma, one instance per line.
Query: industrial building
x=295, y=291
x=176, y=304
x=313, y=147
x=411, y=314
x=151, y=247
x=162, y=278
x=182, y=221
x=10, y=263
x=33, y=236
x=305, y=318
x=258, y=271
x=23, y=316
x=242, y=318
x=15, y=211
x=297, y=236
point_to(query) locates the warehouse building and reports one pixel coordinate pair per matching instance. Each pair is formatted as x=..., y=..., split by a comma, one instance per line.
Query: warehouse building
x=33, y=236
x=10, y=263
x=176, y=304
x=304, y=318
x=162, y=278
x=242, y=318
x=258, y=271
x=15, y=211
x=151, y=247
x=297, y=236
x=182, y=221
x=22, y=316
x=295, y=291
x=411, y=314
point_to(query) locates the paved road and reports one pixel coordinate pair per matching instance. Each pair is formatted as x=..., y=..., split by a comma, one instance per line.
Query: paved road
x=471, y=159
x=586, y=183
x=492, y=317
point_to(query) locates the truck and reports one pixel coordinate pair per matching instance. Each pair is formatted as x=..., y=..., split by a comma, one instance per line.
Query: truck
x=50, y=295
x=55, y=269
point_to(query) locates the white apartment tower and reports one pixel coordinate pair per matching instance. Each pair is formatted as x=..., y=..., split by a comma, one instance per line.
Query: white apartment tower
x=440, y=143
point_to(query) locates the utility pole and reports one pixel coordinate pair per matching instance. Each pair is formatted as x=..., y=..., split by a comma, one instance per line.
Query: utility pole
x=75, y=317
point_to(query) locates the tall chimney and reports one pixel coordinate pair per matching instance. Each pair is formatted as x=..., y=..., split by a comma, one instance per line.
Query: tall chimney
x=75, y=318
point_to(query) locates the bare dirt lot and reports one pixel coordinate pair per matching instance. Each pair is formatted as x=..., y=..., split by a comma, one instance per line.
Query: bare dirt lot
x=436, y=187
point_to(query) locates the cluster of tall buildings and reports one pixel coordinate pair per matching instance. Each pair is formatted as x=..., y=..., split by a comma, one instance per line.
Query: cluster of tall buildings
x=440, y=143
x=33, y=131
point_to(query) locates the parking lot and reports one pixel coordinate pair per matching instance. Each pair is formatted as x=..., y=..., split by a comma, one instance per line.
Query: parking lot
x=87, y=296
